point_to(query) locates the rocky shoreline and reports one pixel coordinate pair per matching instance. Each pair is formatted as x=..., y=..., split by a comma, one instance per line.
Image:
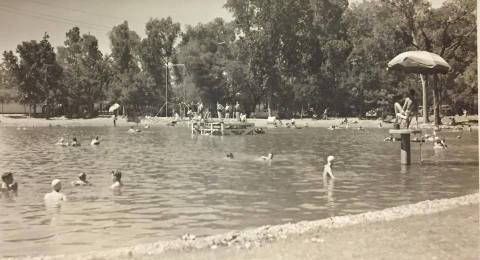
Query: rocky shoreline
x=254, y=238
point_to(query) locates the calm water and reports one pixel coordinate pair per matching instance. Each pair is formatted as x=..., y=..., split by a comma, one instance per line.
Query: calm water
x=177, y=184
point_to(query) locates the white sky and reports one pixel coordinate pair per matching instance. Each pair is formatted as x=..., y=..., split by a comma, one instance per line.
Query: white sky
x=22, y=20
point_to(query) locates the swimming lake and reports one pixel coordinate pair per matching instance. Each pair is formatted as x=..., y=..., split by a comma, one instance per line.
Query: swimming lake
x=176, y=183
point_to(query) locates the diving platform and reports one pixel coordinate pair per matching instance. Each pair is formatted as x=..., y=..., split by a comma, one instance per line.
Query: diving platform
x=223, y=128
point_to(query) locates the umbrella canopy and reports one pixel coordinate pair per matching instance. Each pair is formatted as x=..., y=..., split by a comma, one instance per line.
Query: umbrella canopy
x=422, y=62
x=113, y=107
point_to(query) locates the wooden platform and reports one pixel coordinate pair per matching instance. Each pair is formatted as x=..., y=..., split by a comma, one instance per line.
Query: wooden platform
x=404, y=131
x=223, y=128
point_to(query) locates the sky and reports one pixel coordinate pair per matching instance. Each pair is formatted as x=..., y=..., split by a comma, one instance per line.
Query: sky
x=22, y=20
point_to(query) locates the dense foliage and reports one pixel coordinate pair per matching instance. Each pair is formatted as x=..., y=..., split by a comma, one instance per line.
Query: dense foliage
x=283, y=56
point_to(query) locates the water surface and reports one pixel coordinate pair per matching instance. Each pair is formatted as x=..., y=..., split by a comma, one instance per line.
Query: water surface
x=177, y=184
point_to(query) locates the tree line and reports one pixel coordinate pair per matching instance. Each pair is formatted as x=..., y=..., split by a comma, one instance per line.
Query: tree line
x=283, y=56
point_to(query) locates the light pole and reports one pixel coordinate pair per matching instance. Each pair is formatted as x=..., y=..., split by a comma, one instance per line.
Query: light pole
x=166, y=84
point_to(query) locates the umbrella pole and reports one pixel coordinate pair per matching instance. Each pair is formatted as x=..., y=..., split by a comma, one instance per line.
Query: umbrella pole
x=424, y=98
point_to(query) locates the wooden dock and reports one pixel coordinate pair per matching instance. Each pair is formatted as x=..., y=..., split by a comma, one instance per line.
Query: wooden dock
x=223, y=128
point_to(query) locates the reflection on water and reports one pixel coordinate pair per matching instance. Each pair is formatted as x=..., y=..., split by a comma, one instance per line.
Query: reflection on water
x=177, y=184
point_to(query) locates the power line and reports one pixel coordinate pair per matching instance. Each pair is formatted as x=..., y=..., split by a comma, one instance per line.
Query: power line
x=54, y=18
x=82, y=11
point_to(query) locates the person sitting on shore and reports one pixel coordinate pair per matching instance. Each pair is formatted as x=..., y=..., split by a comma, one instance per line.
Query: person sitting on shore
x=62, y=142
x=269, y=157
x=55, y=196
x=75, y=142
x=327, y=169
x=439, y=144
x=229, y=155
x=95, y=141
x=117, y=179
x=82, y=180
x=345, y=121
x=8, y=184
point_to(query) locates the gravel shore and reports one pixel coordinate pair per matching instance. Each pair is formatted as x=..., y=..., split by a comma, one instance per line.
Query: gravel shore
x=437, y=229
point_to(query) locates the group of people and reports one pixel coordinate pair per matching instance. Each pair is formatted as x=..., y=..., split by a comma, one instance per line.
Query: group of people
x=75, y=142
x=327, y=168
x=56, y=196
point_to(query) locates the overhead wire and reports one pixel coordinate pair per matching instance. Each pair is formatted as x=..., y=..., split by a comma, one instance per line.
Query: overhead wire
x=85, y=12
x=54, y=18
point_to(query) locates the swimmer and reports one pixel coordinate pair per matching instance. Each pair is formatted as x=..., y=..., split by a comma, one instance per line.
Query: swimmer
x=229, y=155
x=62, y=142
x=75, y=142
x=332, y=127
x=95, y=141
x=292, y=121
x=147, y=126
x=131, y=130
x=389, y=139
x=55, y=196
x=117, y=179
x=8, y=184
x=327, y=169
x=82, y=180
x=269, y=157
x=440, y=144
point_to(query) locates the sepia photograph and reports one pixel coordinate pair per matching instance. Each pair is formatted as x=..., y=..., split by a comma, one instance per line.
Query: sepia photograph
x=239, y=129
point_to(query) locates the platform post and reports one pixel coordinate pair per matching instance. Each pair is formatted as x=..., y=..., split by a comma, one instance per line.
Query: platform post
x=405, y=149
x=405, y=153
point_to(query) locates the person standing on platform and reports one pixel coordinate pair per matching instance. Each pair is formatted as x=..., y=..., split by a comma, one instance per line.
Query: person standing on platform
x=219, y=110
x=237, y=111
x=227, y=111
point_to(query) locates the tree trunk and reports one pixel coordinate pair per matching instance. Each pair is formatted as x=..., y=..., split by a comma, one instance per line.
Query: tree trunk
x=436, y=101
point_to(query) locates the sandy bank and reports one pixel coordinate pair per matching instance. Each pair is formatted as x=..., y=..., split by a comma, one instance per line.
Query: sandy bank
x=415, y=231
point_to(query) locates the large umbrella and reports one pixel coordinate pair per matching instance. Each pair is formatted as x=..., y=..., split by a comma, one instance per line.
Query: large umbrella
x=114, y=107
x=420, y=62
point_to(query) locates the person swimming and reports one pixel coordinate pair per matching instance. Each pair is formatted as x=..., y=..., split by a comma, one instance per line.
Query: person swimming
x=62, y=142
x=95, y=141
x=8, y=184
x=75, y=142
x=117, y=179
x=55, y=196
x=229, y=155
x=440, y=144
x=133, y=130
x=269, y=157
x=327, y=169
x=82, y=180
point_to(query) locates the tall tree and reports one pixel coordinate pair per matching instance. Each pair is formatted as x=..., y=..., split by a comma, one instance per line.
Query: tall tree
x=37, y=73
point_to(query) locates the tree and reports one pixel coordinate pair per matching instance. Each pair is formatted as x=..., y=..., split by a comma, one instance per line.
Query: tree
x=37, y=73
x=87, y=74
x=157, y=50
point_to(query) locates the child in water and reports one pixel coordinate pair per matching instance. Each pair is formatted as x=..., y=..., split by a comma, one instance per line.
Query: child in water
x=62, y=142
x=117, y=179
x=82, y=180
x=95, y=141
x=268, y=157
x=327, y=169
x=8, y=184
x=229, y=155
x=55, y=196
x=75, y=142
